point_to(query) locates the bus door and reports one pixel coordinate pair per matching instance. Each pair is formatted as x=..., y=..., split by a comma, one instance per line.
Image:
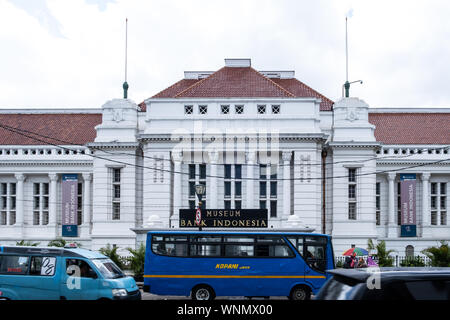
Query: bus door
x=312, y=250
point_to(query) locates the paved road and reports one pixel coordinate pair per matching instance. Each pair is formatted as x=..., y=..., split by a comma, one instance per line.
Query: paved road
x=149, y=296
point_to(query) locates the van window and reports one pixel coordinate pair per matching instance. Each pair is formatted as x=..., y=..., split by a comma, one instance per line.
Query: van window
x=14, y=264
x=43, y=266
x=79, y=268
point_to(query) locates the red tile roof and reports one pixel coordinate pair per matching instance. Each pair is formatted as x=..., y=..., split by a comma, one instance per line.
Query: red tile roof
x=411, y=128
x=64, y=128
x=301, y=90
x=243, y=82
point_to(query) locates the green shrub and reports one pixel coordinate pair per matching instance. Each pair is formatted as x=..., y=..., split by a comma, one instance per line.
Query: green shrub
x=384, y=260
x=413, y=262
x=440, y=256
x=111, y=252
x=27, y=243
x=136, y=262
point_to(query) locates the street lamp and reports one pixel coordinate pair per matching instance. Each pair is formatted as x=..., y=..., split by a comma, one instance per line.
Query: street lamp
x=200, y=190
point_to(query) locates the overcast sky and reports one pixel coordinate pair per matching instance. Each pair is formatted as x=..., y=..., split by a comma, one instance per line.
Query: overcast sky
x=70, y=54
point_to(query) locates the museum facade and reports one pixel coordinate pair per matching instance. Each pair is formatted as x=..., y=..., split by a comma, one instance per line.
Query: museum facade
x=272, y=153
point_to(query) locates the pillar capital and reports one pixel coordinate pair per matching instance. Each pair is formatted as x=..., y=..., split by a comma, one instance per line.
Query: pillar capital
x=213, y=156
x=250, y=156
x=177, y=156
x=286, y=155
x=426, y=176
x=391, y=176
x=87, y=176
x=53, y=176
x=20, y=177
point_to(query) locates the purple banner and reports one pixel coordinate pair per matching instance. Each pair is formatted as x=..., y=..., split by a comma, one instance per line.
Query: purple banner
x=408, y=203
x=69, y=200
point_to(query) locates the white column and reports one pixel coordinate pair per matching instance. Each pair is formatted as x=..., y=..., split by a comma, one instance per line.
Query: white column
x=392, y=225
x=53, y=199
x=212, y=189
x=286, y=184
x=87, y=205
x=250, y=190
x=19, y=198
x=177, y=158
x=426, y=216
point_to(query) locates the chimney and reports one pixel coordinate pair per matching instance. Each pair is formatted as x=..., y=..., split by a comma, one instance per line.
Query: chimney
x=238, y=63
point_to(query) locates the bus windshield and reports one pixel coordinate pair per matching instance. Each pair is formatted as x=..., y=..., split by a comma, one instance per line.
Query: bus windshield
x=108, y=268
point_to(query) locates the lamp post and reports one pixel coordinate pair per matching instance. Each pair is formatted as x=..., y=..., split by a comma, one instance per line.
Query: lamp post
x=200, y=190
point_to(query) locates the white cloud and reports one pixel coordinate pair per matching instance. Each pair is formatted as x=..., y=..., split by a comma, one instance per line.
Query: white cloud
x=71, y=53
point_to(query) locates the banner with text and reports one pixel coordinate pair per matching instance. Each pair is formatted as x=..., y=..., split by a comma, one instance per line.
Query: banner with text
x=69, y=205
x=408, y=205
x=225, y=218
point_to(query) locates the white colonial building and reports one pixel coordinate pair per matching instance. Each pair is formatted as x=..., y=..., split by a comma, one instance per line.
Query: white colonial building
x=256, y=139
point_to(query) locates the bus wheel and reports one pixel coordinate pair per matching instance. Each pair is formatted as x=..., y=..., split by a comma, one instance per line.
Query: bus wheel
x=300, y=293
x=203, y=292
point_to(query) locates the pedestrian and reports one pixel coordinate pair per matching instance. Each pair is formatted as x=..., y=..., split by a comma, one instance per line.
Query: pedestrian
x=362, y=263
x=353, y=263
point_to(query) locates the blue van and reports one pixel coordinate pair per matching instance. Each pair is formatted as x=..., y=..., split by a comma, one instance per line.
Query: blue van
x=33, y=273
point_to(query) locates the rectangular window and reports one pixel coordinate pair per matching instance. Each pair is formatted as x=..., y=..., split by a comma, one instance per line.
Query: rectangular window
x=262, y=189
x=188, y=109
x=43, y=266
x=7, y=203
x=232, y=182
x=438, y=203
x=261, y=109
x=238, y=204
x=225, y=109
x=239, y=109
x=80, y=204
x=276, y=109
x=202, y=109
x=227, y=189
x=197, y=175
x=116, y=190
x=352, y=200
x=238, y=189
x=227, y=204
x=227, y=171
x=378, y=203
x=273, y=209
x=40, y=203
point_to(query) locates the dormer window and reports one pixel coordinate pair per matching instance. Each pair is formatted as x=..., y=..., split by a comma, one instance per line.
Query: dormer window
x=188, y=109
x=225, y=109
x=261, y=109
x=239, y=109
x=275, y=109
x=203, y=109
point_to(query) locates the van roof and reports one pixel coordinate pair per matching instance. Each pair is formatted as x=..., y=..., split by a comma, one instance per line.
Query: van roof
x=66, y=252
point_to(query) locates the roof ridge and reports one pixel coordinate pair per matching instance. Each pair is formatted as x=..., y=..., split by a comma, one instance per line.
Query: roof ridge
x=273, y=82
x=197, y=83
x=313, y=90
x=169, y=87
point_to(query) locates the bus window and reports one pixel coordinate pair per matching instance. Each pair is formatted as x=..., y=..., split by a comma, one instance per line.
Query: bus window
x=315, y=256
x=297, y=242
x=173, y=245
x=14, y=264
x=239, y=250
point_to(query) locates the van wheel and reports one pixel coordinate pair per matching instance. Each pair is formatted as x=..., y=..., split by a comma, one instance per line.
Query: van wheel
x=300, y=293
x=203, y=292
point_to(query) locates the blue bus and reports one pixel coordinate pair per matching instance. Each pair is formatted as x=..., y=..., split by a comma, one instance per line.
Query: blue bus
x=206, y=264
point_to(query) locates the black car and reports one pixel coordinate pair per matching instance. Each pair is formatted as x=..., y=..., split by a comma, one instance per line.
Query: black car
x=387, y=284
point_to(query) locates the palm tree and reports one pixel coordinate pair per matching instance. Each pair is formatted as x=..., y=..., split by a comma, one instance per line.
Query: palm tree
x=61, y=243
x=440, y=256
x=27, y=243
x=384, y=260
x=136, y=262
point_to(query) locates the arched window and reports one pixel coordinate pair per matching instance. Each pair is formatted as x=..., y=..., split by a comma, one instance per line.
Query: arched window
x=409, y=251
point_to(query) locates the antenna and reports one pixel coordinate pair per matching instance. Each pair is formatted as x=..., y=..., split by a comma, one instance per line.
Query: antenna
x=125, y=84
x=346, y=85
